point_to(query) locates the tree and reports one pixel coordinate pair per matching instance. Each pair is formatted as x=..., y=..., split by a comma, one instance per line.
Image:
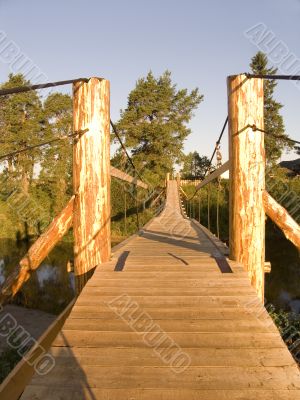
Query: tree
x=22, y=121
x=56, y=166
x=194, y=166
x=154, y=124
x=273, y=121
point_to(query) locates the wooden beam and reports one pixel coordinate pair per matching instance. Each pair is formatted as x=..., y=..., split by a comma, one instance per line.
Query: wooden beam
x=16, y=381
x=282, y=219
x=214, y=175
x=38, y=251
x=91, y=177
x=247, y=177
x=153, y=202
x=183, y=192
x=117, y=173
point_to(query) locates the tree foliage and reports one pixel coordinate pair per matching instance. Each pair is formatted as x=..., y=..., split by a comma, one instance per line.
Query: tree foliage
x=21, y=117
x=40, y=178
x=194, y=166
x=154, y=124
x=56, y=166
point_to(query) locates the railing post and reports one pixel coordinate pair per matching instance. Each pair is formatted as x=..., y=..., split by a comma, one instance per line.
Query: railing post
x=178, y=179
x=247, y=176
x=91, y=177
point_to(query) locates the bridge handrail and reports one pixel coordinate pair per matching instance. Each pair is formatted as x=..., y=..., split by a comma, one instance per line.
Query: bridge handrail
x=215, y=174
x=43, y=245
x=117, y=173
x=279, y=215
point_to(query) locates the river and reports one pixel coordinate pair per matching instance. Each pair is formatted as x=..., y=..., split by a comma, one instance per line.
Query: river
x=51, y=287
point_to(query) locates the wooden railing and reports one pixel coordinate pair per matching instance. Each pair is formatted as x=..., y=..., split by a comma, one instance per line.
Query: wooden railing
x=190, y=182
x=88, y=211
x=249, y=202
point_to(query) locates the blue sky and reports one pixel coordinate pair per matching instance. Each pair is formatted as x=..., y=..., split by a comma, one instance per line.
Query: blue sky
x=200, y=42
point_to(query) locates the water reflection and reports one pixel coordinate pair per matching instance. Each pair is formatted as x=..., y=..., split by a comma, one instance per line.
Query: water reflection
x=283, y=283
x=52, y=286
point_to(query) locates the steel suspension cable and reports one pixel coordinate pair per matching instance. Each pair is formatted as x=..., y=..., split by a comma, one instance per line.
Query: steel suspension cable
x=28, y=88
x=213, y=154
x=35, y=146
x=124, y=149
x=274, y=77
x=284, y=138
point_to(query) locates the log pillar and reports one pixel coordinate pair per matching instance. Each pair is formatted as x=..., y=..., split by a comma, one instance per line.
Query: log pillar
x=178, y=179
x=91, y=177
x=247, y=176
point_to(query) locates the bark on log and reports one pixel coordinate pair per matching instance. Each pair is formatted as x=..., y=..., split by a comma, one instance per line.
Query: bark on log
x=91, y=177
x=38, y=251
x=247, y=177
x=282, y=219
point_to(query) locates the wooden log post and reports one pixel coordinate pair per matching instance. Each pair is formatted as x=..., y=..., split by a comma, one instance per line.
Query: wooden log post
x=91, y=177
x=178, y=179
x=282, y=219
x=38, y=252
x=247, y=176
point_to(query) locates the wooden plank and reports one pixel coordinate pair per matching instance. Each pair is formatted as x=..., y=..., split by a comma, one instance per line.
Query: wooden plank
x=91, y=177
x=227, y=281
x=196, y=274
x=235, y=351
x=170, y=291
x=170, y=325
x=174, y=301
x=201, y=378
x=39, y=392
x=38, y=251
x=282, y=219
x=185, y=339
x=247, y=176
x=223, y=313
x=219, y=171
x=116, y=173
x=123, y=356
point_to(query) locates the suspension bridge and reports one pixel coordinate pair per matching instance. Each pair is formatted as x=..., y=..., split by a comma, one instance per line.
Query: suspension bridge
x=165, y=314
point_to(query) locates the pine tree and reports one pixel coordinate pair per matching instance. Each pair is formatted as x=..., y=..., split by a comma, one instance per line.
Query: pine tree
x=56, y=166
x=22, y=121
x=273, y=121
x=194, y=166
x=154, y=124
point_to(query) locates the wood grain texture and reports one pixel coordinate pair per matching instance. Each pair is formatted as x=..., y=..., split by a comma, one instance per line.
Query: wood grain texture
x=213, y=175
x=247, y=176
x=106, y=349
x=282, y=219
x=39, y=251
x=91, y=176
x=116, y=173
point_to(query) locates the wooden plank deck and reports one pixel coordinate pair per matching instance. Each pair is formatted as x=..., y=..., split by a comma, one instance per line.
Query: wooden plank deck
x=162, y=320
